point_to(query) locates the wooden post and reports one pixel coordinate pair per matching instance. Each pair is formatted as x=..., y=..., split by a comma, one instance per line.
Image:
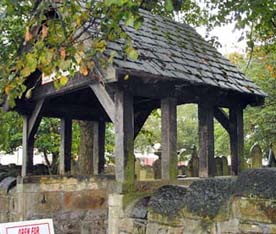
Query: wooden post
x=28, y=147
x=168, y=131
x=65, y=145
x=124, y=137
x=98, y=147
x=206, y=140
x=236, y=139
x=30, y=127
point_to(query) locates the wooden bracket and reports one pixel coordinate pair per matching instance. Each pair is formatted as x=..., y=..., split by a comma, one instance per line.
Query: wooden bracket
x=139, y=120
x=222, y=118
x=35, y=118
x=105, y=99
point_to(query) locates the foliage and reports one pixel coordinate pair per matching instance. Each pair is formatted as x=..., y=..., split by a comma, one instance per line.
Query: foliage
x=48, y=136
x=187, y=126
x=187, y=129
x=50, y=36
x=256, y=18
x=222, y=140
x=261, y=121
x=150, y=134
x=110, y=139
x=10, y=131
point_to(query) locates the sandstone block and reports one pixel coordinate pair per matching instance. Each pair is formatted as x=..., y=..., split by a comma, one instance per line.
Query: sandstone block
x=90, y=199
x=255, y=210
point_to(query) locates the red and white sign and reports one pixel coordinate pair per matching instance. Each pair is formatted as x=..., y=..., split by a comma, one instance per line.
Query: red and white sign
x=42, y=226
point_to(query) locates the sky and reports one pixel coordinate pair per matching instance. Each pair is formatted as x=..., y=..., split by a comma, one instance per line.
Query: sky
x=228, y=37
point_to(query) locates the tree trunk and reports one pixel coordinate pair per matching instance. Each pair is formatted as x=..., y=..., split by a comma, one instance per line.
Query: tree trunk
x=85, y=160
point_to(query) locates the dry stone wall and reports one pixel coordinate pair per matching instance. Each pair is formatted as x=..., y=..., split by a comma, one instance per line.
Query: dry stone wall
x=243, y=205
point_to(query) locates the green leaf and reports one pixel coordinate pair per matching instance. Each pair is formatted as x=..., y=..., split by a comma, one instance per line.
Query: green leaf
x=46, y=57
x=63, y=80
x=30, y=63
x=100, y=46
x=115, y=2
x=28, y=93
x=110, y=2
x=111, y=57
x=130, y=20
x=138, y=23
x=126, y=77
x=169, y=5
x=25, y=72
x=132, y=53
x=65, y=64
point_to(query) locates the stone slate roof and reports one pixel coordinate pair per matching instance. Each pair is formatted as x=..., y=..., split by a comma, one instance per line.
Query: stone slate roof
x=173, y=50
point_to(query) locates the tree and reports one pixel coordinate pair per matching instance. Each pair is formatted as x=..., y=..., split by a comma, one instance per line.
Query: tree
x=10, y=131
x=261, y=121
x=257, y=19
x=49, y=36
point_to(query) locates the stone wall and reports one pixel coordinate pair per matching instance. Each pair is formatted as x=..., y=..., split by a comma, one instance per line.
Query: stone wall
x=76, y=205
x=246, y=204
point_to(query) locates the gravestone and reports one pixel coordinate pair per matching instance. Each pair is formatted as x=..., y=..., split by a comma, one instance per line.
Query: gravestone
x=225, y=167
x=40, y=169
x=157, y=169
x=110, y=169
x=193, y=165
x=188, y=171
x=218, y=166
x=137, y=168
x=256, y=156
x=143, y=173
x=181, y=170
x=149, y=172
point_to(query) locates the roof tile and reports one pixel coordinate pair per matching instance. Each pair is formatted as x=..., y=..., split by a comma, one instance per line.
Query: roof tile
x=176, y=50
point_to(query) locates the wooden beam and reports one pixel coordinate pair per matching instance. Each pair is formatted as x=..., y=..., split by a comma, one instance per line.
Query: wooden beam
x=28, y=147
x=76, y=112
x=35, y=118
x=236, y=139
x=139, y=121
x=222, y=118
x=168, y=130
x=105, y=99
x=98, y=147
x=65, y=146
x=69, y=110
x=206, y=140
x=149, y=105
x=74, y=84
x=124, y=137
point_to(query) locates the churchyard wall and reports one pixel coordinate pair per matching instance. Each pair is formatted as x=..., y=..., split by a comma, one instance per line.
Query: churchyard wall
x=221, y=205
